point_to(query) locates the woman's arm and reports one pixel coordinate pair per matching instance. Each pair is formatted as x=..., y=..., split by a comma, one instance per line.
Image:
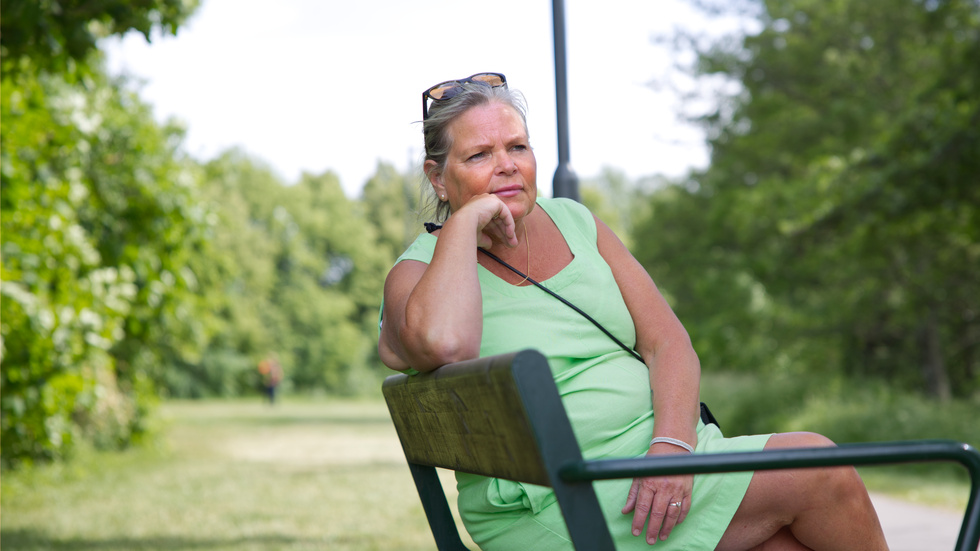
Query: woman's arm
x=675, y=378
x=675, y=372
x=433, y=313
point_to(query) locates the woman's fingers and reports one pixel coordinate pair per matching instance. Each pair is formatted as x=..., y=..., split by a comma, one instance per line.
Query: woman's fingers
x=659, y=504
x=495, y=223
x=643, y=508
x=685, y=509
x=631, y=497
x=502, y=225
x=671, y=518
x=659, y=513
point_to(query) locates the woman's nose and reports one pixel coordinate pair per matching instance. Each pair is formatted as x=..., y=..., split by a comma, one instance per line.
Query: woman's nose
x=505, y=164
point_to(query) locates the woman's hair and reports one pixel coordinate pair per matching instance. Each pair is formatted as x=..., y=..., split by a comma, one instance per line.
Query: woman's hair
x=438, y=141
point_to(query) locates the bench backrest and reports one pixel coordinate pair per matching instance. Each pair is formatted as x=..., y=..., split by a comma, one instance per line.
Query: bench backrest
x=499, y=417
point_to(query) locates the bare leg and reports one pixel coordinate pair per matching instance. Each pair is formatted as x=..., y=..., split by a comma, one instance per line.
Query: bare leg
x=825, y=509
x=783, y=540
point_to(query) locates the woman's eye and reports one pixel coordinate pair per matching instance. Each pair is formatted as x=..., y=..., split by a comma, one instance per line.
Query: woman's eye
x=477, y=156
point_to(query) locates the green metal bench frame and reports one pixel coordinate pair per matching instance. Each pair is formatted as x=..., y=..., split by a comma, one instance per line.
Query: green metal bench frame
x=502, y=417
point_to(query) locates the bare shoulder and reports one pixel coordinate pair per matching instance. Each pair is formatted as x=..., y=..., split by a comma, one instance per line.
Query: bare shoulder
x=611, y=247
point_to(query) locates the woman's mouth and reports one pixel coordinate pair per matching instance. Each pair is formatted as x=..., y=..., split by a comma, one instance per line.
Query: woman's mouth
x=508, y=191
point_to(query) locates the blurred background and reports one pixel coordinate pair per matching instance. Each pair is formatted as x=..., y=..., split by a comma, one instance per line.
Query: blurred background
x=201, y=200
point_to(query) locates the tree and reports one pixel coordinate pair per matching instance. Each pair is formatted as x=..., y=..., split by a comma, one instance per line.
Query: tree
x=95, y=245
x=842, y=185
x=57, y=36
x=391, y=205
x=294, y=270
x=617, y=201
x=98, y=221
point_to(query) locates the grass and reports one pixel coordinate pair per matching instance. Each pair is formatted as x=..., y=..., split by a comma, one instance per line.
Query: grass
x=306, y=474
x=229, y=475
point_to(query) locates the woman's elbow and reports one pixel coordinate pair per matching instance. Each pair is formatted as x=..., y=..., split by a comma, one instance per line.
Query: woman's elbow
x=447, y=350
x=430, y=351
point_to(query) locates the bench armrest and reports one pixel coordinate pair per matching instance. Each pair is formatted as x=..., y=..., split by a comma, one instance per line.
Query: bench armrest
x=847, y=454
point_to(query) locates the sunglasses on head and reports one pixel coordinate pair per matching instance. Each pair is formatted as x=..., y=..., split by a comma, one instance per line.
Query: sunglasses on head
x=451, y=88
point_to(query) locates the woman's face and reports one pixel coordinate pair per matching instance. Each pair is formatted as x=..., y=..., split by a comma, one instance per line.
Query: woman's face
x=490, y=154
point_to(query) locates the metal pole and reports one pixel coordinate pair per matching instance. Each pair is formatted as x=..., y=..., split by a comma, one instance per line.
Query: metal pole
x=565, y=183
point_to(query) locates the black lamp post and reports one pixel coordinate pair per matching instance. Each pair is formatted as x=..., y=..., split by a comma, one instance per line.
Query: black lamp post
x=565, y=183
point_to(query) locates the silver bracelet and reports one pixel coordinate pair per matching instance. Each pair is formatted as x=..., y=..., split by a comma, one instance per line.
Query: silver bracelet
x=674, y=441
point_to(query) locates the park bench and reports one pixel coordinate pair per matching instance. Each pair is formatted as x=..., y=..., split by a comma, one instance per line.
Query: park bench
x=502, y=417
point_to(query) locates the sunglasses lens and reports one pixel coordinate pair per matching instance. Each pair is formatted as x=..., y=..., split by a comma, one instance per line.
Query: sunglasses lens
x=445, y=90
x=490, y=79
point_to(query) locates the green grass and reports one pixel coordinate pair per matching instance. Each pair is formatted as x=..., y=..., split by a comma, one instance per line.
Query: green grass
x=229, y=475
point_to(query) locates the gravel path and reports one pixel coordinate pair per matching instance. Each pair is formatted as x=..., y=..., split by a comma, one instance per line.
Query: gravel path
x=911, y=527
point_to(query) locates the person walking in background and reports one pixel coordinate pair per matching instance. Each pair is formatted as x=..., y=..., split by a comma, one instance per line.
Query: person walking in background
x=271, y=373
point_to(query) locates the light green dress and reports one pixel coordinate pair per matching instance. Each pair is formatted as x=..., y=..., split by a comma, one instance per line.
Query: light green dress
x=606, y=393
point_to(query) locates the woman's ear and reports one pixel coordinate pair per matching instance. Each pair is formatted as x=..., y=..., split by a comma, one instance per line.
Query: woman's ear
x=434, y=175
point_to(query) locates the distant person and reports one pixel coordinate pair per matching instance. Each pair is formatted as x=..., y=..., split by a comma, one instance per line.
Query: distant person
x=271, y=374
x=447, y=300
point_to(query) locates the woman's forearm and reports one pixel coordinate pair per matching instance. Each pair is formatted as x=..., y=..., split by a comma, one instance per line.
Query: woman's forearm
x=675, y=382
x=443, y=319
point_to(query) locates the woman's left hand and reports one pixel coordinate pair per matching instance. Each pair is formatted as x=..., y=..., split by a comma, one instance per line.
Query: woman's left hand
x=655, y=499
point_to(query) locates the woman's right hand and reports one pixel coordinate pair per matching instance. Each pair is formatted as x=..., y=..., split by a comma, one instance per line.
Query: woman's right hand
x=494, y=221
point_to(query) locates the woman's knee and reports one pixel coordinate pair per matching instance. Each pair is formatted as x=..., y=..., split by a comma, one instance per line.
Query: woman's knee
x=799, y=440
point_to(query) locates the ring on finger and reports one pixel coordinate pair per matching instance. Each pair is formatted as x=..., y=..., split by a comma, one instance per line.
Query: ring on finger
x=676, y=504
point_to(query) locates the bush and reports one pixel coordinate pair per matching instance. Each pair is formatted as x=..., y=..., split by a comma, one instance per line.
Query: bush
x=844, y=410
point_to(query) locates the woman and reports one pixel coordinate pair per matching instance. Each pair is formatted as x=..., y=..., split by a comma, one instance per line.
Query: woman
x=444, y=302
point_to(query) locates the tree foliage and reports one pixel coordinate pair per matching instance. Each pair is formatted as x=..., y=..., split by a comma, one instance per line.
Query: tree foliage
x=837, y=227
x=58, y=35
x=96, y=239
x=99, y=220
x=295, y=271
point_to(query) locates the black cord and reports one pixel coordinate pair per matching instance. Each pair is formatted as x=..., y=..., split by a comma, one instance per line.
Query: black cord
x=565, y=302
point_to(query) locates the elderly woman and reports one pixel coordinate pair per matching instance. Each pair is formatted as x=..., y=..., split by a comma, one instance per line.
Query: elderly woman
x=468, y=289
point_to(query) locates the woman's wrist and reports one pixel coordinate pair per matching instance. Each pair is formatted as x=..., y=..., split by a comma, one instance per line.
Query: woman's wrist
x=672, y=441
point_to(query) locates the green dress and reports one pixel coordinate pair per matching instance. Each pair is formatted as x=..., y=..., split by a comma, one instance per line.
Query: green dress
x=606, y=393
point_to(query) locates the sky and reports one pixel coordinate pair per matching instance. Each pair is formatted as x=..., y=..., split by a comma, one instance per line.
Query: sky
x=316, y=85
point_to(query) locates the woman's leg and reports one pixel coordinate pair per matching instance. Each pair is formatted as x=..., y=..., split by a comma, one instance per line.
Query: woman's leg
x=783, y=540
x=824, y=509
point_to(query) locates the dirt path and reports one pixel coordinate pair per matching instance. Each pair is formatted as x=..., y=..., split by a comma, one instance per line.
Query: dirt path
x=911, y=527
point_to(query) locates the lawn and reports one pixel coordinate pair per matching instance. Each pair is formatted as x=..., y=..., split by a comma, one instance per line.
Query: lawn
x=324, y=474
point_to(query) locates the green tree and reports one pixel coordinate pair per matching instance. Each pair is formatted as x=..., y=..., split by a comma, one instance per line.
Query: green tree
x=95, y=245
x=295, y=270
x=58, y=35
x=391, y=204
x=328, y=280
x=98, y=222
x=842, y=188
x=619, y=202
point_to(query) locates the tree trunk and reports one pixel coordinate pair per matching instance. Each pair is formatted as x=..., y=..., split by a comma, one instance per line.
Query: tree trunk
x=934, y=366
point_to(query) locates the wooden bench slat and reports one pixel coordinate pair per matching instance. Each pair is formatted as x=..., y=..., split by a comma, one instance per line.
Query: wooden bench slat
x=472, y=420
